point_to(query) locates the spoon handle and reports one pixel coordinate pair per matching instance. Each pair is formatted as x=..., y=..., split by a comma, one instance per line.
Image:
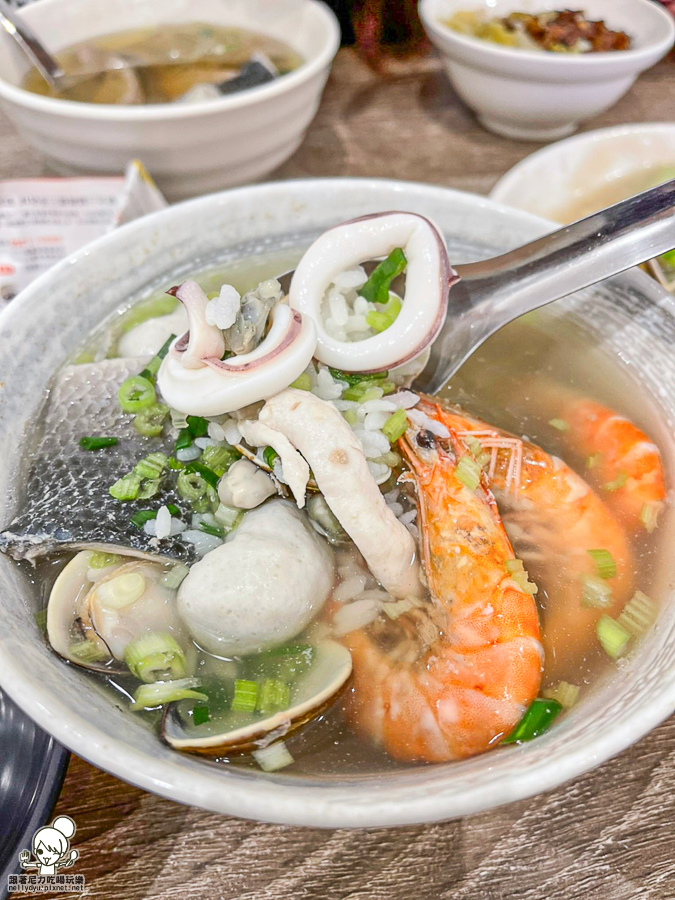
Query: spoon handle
x=38, y=54
x=574, y=257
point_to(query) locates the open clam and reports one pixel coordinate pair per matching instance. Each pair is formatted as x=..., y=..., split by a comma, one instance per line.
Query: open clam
x=105, y=611
x=241, y=732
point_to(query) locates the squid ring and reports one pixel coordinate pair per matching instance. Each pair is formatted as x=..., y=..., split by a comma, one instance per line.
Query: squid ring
x=205, y=385
x=429, y=277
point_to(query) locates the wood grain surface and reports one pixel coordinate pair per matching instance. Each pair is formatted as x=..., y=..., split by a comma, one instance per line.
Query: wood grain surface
x=605, y=836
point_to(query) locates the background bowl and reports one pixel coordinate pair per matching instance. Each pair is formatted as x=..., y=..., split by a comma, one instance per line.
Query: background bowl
x=188, y=148
x=629, y=318
x=582, y=172
x=540, y=96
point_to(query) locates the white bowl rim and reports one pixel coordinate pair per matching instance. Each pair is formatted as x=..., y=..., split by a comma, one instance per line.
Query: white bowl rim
x=505, y=186
x=154, y=111
x=286, y=801
x=557, y=60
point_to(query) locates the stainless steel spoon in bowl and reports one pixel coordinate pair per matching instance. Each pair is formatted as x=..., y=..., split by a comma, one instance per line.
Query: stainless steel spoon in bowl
x=496, y=291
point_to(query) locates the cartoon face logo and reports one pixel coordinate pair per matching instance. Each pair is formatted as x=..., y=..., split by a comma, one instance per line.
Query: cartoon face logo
x=51, y=848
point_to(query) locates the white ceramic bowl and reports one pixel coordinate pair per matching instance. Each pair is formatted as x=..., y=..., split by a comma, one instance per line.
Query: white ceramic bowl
x=585, y=173
x=188, y=148
x=630, y=319
x=541, y=96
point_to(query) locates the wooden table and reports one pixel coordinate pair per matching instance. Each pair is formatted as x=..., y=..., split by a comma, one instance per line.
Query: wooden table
x=605, y=836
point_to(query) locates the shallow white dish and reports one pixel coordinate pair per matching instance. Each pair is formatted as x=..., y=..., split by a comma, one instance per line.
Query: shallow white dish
x=38, y=331
x=541, y=96
x=188, y=148
x=578, y=169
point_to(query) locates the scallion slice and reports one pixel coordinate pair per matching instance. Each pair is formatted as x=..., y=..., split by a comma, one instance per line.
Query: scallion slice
x=149, y=488
x=565, y=693
x=100, y=560
x=150, y=695
x=245, y=695
x=596, y=592
x=190, y=485
x=126, y=488
x=381, y=319
x=145, y=515
x=88, y=652
x=302, y=382
x=604, y=562
x=593, y=460
x=155, y=657
x=97, y=443
x=228, y=516
x=199, y=427
x=215, y=530
x=559, y=424
x=151, y=466
x=613, y=637
x=41, y=619
x=152, y=368
x=174, y=577
x=209, y=476
x=517, y=571
x=135, y=394
x=368, y=390
x=219, y=458
x=376, y=289
x=273, y=696
x=269, y=455
x=354, y=378
x=184, y=439
x=150, y=422
x=200, y=714
x=276, y=756
x=649, y=515
x=538, y=718
x=616, y=483
x=468, y=472
x=639, y=614
x=395, y=426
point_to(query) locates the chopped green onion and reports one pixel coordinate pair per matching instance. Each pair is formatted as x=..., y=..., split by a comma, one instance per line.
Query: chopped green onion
x=219, y=458
x=150, y=695
x=302, y=382
x=380, y=320
x=149, y=489
x=390, y=458
x=215, y=530
x=150, y=422
x=184, y=439
x=395, y=426
x=228, y=516
x=200, y=715
x=349, y=415
x=88, y=652
x=269, y=455
x=174, y=577
x=596, y=592
x=198, y=426
x=565, y=693
x=155, y=657
x=152, y=368
x=126, y=488
x=639, y=614
x=649, y=515
x=538, y=718
x=208, y=503
x=97, y=443
x=479, y=453
x=593, y=460
x=151, y=466
x=560, y=424
x=376, y=289
x=209, y=476
x=41, y=619
x=245, y=695
x=353, y=378
x=613, y=637
x=191, y=486
x=135, y=394
x=273, y=696
x=99, y=560
x=604, y=562
x=617, y=483
x=369, y=390
x=176, y=464
x=468, y=472
x=144, y=515
x=274, y=757
x=517, y=571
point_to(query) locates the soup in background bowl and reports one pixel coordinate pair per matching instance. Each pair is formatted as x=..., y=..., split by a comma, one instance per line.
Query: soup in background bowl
x=610, y=343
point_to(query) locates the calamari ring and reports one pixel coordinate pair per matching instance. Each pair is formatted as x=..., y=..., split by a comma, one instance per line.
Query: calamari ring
x=429, y=276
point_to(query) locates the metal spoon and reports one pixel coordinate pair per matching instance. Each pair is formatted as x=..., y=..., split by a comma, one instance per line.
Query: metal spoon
x=34, y=49
x=496, y=291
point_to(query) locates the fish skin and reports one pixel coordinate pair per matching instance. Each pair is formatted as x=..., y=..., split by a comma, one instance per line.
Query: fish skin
x=66, y=502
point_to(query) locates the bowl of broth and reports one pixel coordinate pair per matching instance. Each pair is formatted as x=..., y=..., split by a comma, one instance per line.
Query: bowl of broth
x=207, y=101
x=322, y=724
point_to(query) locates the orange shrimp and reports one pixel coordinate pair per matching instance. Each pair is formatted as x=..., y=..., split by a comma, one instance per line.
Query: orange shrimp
x=554, y=518
x=626, y=463
x=448, y=678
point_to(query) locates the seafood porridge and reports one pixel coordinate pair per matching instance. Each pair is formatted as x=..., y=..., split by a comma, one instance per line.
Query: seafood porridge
x=254, y=532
